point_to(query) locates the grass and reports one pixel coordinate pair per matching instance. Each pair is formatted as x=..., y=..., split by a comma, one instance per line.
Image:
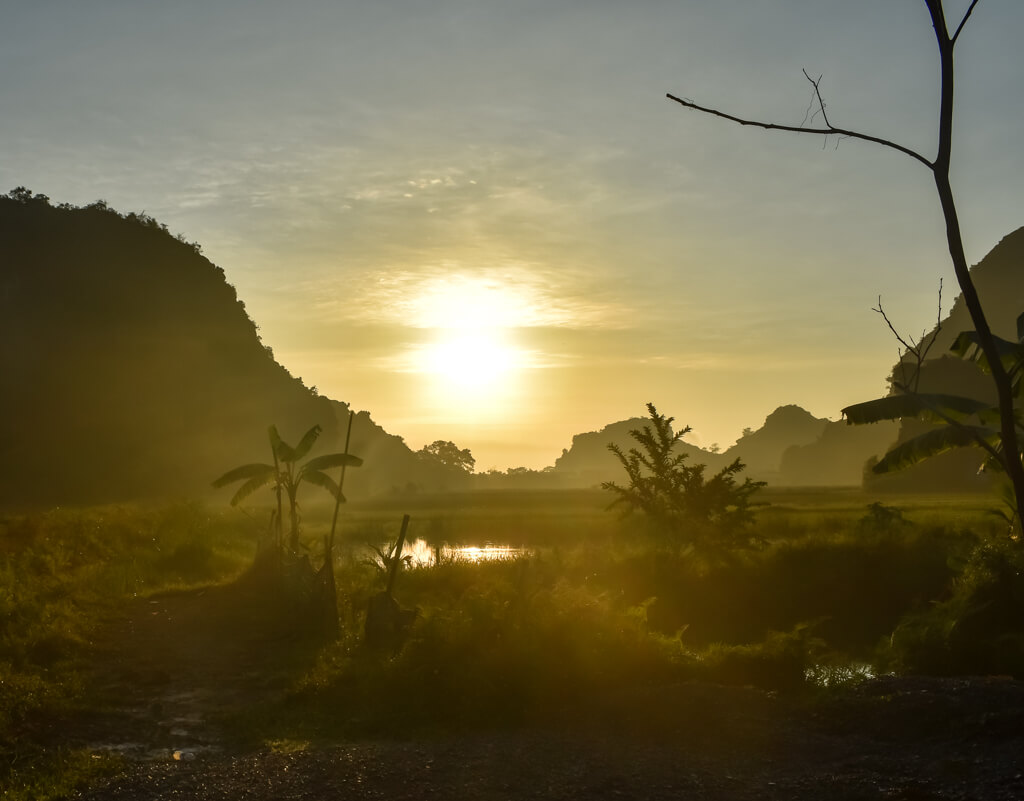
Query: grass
x=597, y=609
x=61, y=572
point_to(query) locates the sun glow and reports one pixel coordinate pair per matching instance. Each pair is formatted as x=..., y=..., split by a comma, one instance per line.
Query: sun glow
x=470, y=362
x=472, y=355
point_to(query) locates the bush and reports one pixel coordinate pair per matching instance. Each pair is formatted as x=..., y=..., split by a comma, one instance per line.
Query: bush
x=712, y=514
x=979, y=630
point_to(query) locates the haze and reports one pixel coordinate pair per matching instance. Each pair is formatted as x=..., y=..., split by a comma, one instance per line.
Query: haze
x=484, y=222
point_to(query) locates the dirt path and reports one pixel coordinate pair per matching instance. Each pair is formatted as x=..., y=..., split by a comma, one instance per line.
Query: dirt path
x=168, y=667
x=172, y=665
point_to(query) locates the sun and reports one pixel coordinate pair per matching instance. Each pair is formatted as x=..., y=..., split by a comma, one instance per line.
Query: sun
x=473, y=361
x=471, y=354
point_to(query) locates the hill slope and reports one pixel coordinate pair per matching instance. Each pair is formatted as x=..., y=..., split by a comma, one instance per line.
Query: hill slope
x=131, y=369
x=999, y=278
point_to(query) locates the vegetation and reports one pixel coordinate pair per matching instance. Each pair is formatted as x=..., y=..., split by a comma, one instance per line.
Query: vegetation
x=64, y=573
x=959, y=421
x=585, y=618
x=684, y=505
x=286, y=476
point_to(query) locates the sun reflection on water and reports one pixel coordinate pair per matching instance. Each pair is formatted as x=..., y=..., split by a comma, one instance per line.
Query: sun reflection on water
x=425, y=555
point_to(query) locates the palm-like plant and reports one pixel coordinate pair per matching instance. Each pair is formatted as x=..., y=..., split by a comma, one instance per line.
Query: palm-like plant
x=286, y=475
x=960, y=421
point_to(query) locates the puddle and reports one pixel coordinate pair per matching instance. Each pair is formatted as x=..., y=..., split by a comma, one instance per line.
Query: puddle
x=188, y=754
x=835, y=675
x=139, y=752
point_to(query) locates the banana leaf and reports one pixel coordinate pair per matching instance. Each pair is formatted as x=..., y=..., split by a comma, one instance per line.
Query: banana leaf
x=246, y=471
x=968, y=346
x=305, y=443
x=249, y=487
x=325, y=481
x=330, y=460
x=924, y=405
x=932, y=443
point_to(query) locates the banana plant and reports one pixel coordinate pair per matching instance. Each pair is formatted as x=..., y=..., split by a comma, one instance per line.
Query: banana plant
x=286, y=475
x=960, y=421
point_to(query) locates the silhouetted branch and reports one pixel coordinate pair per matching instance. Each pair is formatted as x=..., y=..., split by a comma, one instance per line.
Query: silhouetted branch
x=829, y=131
x=963, y=22
x=912, y=348
x=817, y=95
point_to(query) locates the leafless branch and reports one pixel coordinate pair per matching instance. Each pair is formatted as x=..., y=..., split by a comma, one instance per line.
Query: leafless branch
x=938, y=326
x=907, y=348
x=912, y=348
x=817, y=93
x=963, y=22
x=829, y=131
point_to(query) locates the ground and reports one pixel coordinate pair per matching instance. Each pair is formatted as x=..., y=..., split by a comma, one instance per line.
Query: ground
x=171, y=666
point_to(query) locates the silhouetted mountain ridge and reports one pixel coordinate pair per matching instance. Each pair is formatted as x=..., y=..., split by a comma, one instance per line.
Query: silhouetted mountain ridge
x=765, y=451
x=131, y=369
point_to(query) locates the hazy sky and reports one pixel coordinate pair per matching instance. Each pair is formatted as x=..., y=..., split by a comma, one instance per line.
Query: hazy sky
x=483, y=221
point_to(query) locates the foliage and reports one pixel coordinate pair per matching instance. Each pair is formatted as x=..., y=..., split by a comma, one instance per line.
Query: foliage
x=882, y=518
x=449, y=455
x=285, y=475
x=778, y=662
x=585, y=628
x=384, y=557
x=960, y=422
x=685, y=505
x=61, y=573
x=979, y=629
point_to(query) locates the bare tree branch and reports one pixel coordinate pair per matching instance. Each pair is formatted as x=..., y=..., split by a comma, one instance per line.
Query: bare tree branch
x=829, y=131
x=963, y=22
x=907, y=348
x=912, y=348
x=817, y=93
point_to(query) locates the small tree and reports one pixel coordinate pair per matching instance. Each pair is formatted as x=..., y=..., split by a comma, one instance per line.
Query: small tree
x=286, y=475
x=685, y=505
x=449, y=455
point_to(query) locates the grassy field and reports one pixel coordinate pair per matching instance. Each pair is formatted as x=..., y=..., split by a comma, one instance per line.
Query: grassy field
x=595, y=605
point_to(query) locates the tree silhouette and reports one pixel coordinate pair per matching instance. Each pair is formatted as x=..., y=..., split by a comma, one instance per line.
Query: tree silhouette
x=449, y=455
x=677, y=497
x=1007, y=447
x=287, y=475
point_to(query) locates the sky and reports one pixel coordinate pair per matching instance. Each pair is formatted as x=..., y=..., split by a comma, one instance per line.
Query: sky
x=482, y=221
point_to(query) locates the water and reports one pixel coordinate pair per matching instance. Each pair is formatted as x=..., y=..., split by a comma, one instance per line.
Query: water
x=424, y=555
x=837, y=675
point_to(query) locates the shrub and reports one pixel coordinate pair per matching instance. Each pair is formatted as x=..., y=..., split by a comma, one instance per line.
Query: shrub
x=979, y=630
x=710, y=513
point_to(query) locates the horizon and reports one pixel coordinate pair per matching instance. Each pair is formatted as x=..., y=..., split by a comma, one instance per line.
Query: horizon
x=487, y=224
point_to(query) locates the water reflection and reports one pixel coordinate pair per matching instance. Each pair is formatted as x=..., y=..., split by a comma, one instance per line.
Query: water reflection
x=838, y=675
x=424, y=555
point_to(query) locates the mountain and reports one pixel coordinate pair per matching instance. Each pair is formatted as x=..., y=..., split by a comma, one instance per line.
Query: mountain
x=588, y=462
x=838, y=456
x=761, y=451
x=131, y=369
x=999, y=279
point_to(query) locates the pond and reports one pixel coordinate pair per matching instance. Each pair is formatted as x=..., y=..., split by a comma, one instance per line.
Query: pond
x=424, y=555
